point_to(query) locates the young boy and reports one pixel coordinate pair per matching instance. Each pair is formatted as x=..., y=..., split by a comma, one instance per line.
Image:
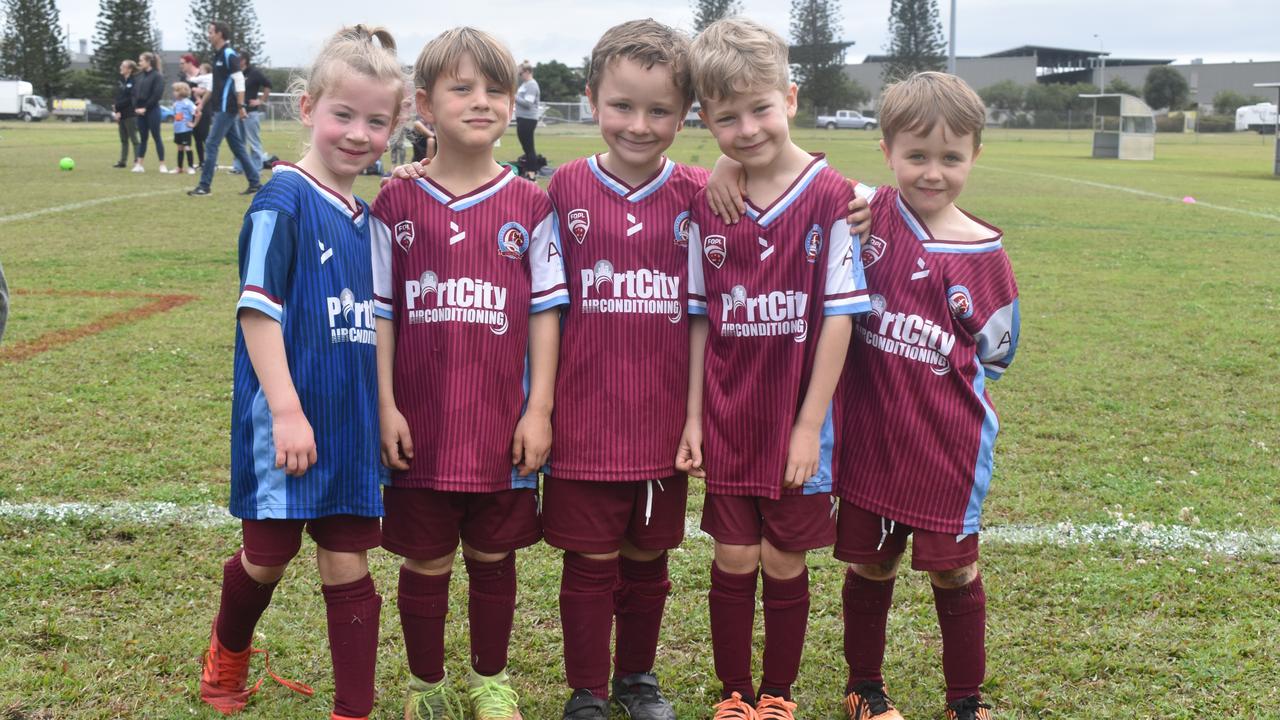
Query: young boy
x=916, y=425
x=773, y=295
x=624, y=371
x=468, y=277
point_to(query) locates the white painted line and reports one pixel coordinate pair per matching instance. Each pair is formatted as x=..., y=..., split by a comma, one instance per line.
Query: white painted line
x=1135, y=191
x=82, y=204
x=1148, y=537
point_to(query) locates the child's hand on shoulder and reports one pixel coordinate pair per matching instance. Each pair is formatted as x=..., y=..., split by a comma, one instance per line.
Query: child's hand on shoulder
x=802, y=456
x=531, y=445
x=725, y=189
x=397, y=445
x=859, y=218
x=295, y=442
x=689, y=454
x=408, y=171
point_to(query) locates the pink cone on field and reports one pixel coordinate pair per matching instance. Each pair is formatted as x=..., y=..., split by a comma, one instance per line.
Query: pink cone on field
x=1189, y=200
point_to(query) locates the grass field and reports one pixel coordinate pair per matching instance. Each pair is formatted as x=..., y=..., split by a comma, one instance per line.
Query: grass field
x=1134, y=523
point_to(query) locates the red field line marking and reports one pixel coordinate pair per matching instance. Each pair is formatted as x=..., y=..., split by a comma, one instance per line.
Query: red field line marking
x=57, y=338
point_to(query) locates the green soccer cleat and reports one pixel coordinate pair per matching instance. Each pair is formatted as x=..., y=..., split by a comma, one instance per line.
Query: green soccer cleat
x=492, y=697
x=432, y=701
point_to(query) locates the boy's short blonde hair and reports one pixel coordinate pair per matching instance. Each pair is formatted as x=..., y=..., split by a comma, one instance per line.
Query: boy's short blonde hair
x=442, y=55
x=915, y=105
x=735, y=55
x=181, y=90
x=647, y=42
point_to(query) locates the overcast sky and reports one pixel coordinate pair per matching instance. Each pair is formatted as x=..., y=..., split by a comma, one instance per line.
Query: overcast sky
x=565, y=30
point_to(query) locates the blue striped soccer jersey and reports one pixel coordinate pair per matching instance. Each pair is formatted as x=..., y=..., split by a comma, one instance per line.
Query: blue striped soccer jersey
x=306, y=262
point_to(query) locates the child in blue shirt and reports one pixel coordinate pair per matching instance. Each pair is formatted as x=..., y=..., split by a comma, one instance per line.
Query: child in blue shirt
x=184, y=122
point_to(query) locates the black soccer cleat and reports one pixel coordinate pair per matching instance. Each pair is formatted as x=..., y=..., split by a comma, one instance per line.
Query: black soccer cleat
x=970, y=708
x=251, y=190
x=585, y=706
x=199, y=191
x=639, y=696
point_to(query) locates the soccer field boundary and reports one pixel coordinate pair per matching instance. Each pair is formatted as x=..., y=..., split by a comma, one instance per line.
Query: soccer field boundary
x=1149, y=538
x=1133, y=191
x=17, y=217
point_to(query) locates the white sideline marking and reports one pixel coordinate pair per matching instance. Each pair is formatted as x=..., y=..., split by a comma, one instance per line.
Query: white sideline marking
x=1135, y=191
x=78, y=205
x=1143, y=535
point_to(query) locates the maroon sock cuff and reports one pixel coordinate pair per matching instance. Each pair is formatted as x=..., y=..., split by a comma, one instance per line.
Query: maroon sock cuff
x=643, y=571
x=590, y=574
x=425, y=596
x=733, y=584
x=961, y=600
x=786, y=593
x=352, y=592
x=866, y=596
x=492, y=577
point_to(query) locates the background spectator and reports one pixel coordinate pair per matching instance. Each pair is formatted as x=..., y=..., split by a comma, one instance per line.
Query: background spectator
x=527, y=114
x=257, y=88
x=201, y=82
x=147, y=91
x=226, y=103
x=122, y=111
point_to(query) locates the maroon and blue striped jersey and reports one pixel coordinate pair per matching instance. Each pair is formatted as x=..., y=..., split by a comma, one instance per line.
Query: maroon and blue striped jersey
x=623, y=380
x=306, y=262
x=765, y=284
x=459, y=277
x=915, y=424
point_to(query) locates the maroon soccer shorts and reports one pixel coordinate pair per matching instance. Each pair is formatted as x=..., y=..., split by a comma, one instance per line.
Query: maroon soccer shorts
x=594, y=517
x=276, y=542
x=792, y=523
x=423, y=524
x=866, y=538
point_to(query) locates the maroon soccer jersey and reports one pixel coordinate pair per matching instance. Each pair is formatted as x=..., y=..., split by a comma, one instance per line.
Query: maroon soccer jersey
x=916, y=427
x=765, y=284
x=459, y=277
x=623, y=376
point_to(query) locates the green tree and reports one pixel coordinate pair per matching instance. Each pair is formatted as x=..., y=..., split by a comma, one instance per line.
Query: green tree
x=817, y=56
x=246, y=36
x=32, y=45
x=1166, y=88
x=1004, y=95
x=558, y=82
x=123, y=32
x=1228, y=101
x=915, y=39
x=706, y=12
x=1118, y=85
x=88, y=84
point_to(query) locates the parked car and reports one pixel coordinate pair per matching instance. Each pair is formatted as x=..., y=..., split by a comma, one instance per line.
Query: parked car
x=847, y=119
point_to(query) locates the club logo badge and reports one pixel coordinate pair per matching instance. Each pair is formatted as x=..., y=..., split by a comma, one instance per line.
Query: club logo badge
x=713, y=248
x=813, y=244
x=960, y=302
x=513, y=241
x=682, y=229
x=873, y=250
x=404, y=234
x=579, y=224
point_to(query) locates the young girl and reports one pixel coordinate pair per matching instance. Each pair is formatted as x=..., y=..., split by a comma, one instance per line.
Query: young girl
x=184, y=113
x=304, y=427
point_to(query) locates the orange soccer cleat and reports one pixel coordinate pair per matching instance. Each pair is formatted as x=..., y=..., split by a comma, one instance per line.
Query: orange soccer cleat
x=224, y=677
x=970, y=708
x=734, y=708
x=770, y=707
x=869, y=701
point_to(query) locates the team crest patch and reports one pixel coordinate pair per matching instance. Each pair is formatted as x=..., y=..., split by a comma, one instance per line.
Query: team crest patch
x=813, y=244
x=579, y=224
x=873, y=250
x=404, y=234
x=713, y=248
x=682, y=229
x=513, y=241
x=960, y=302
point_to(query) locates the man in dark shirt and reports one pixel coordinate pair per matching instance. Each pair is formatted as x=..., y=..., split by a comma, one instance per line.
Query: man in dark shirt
x=257, y=88
x=226, y=102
